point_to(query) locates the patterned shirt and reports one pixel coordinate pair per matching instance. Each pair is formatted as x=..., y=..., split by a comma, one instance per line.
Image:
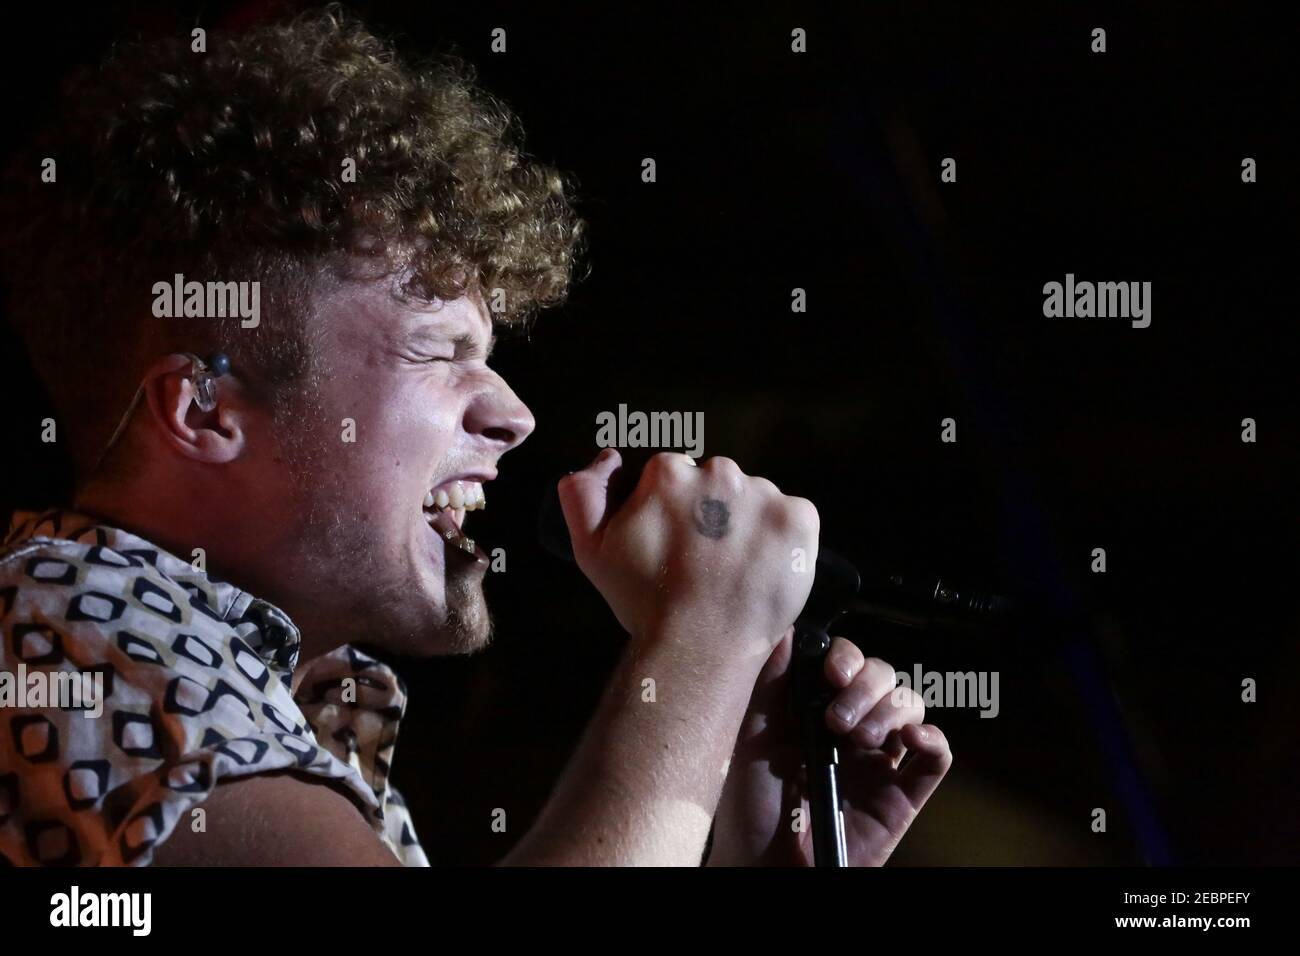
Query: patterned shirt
x=195, y=681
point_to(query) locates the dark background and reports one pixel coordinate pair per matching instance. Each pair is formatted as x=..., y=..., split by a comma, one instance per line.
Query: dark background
x=821, y=171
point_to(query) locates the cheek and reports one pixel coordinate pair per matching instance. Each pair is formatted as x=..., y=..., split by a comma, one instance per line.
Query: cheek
x=426, y=419
x=378, y=440
x=401, y=448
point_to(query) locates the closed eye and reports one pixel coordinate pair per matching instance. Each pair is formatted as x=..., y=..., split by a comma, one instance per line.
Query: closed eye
x=466, y=348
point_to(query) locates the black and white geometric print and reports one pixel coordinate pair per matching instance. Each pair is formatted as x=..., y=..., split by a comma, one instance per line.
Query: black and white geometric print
x=196, y=687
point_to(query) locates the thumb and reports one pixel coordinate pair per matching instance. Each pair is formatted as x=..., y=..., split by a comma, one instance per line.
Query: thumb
x=584, y=495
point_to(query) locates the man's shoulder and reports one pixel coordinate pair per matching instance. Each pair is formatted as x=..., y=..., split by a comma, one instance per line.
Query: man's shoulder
x=99, y=599
x=98, y=573
x=55, y=590
x=194, y=687
x=191, y=686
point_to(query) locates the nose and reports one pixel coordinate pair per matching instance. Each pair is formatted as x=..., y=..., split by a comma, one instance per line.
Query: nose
x=500, y=416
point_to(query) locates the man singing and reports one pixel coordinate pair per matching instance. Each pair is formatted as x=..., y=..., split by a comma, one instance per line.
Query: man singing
x=257, y=490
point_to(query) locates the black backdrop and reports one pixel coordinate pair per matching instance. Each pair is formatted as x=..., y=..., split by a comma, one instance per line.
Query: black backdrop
x=821, y=171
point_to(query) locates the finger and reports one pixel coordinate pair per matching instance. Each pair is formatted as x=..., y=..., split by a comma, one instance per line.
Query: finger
x=584, y=494
x=931, y=756
x=896, y=750
x=892, y=712
x=872, y=682
x=843, y=661
x=661, y=474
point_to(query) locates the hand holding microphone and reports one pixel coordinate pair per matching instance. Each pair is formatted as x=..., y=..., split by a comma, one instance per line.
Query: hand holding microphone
x=653, y=544
x=704, y=553
x=696, y=563
x=725, y=562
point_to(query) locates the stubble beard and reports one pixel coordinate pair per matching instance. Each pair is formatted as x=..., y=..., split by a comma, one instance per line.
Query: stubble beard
x=342, y=558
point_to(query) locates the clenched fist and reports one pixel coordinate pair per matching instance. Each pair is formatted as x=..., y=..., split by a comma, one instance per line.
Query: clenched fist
x=891, y=763
x=702, y=550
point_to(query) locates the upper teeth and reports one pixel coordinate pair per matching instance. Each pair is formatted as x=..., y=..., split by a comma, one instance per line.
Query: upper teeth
x=458, y=494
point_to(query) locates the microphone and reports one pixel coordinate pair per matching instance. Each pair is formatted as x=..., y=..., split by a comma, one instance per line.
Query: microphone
x=835, y=579
x=914, y=600
x=927, y=600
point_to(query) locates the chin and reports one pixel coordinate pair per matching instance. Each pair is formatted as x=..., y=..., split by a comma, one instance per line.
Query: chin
x=453, y=583
x=430, y=605
x=466, y=628
x=462, y=623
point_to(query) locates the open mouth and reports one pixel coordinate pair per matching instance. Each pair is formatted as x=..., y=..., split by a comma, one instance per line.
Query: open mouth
x=445, y=507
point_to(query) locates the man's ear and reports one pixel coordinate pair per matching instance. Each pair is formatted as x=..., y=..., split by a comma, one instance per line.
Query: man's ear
x=214, y=437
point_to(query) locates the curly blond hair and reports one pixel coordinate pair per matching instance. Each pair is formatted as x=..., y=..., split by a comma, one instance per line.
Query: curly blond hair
x=228, y=164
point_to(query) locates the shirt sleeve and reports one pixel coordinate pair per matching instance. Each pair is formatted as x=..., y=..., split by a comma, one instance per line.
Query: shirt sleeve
x=183, y=703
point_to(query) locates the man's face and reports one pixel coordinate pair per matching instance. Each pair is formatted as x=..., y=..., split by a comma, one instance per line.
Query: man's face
x=409, y=381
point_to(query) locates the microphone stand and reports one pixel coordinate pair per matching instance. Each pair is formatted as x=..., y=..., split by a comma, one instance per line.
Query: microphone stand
x=835, y=585
x=821, y=757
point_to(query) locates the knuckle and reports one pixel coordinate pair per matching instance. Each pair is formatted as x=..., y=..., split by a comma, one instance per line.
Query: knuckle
x=880, y=674
x=799, y=515
x=726, y=473
x=664, y=467
x=843, y=645
x=569, y=484
x=857, y=698
x=905, y=697
x=658, y=462
x=944, y=755
x=910, y=702
x=846, y=651
x=917, y=704
x=721, y=467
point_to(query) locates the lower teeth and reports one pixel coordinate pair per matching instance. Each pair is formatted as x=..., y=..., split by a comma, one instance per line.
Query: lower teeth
x=441, y=522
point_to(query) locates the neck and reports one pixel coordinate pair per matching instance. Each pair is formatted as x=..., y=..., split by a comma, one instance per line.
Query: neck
x=171, y=515
x=160, y=515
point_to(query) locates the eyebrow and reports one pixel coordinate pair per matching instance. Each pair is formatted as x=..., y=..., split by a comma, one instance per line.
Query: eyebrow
x=468, y=343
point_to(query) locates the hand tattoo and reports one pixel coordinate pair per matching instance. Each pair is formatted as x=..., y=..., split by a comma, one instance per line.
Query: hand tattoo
x=711, y=517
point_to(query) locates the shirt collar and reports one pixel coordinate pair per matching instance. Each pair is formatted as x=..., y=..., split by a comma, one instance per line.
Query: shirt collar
x=266, y=629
